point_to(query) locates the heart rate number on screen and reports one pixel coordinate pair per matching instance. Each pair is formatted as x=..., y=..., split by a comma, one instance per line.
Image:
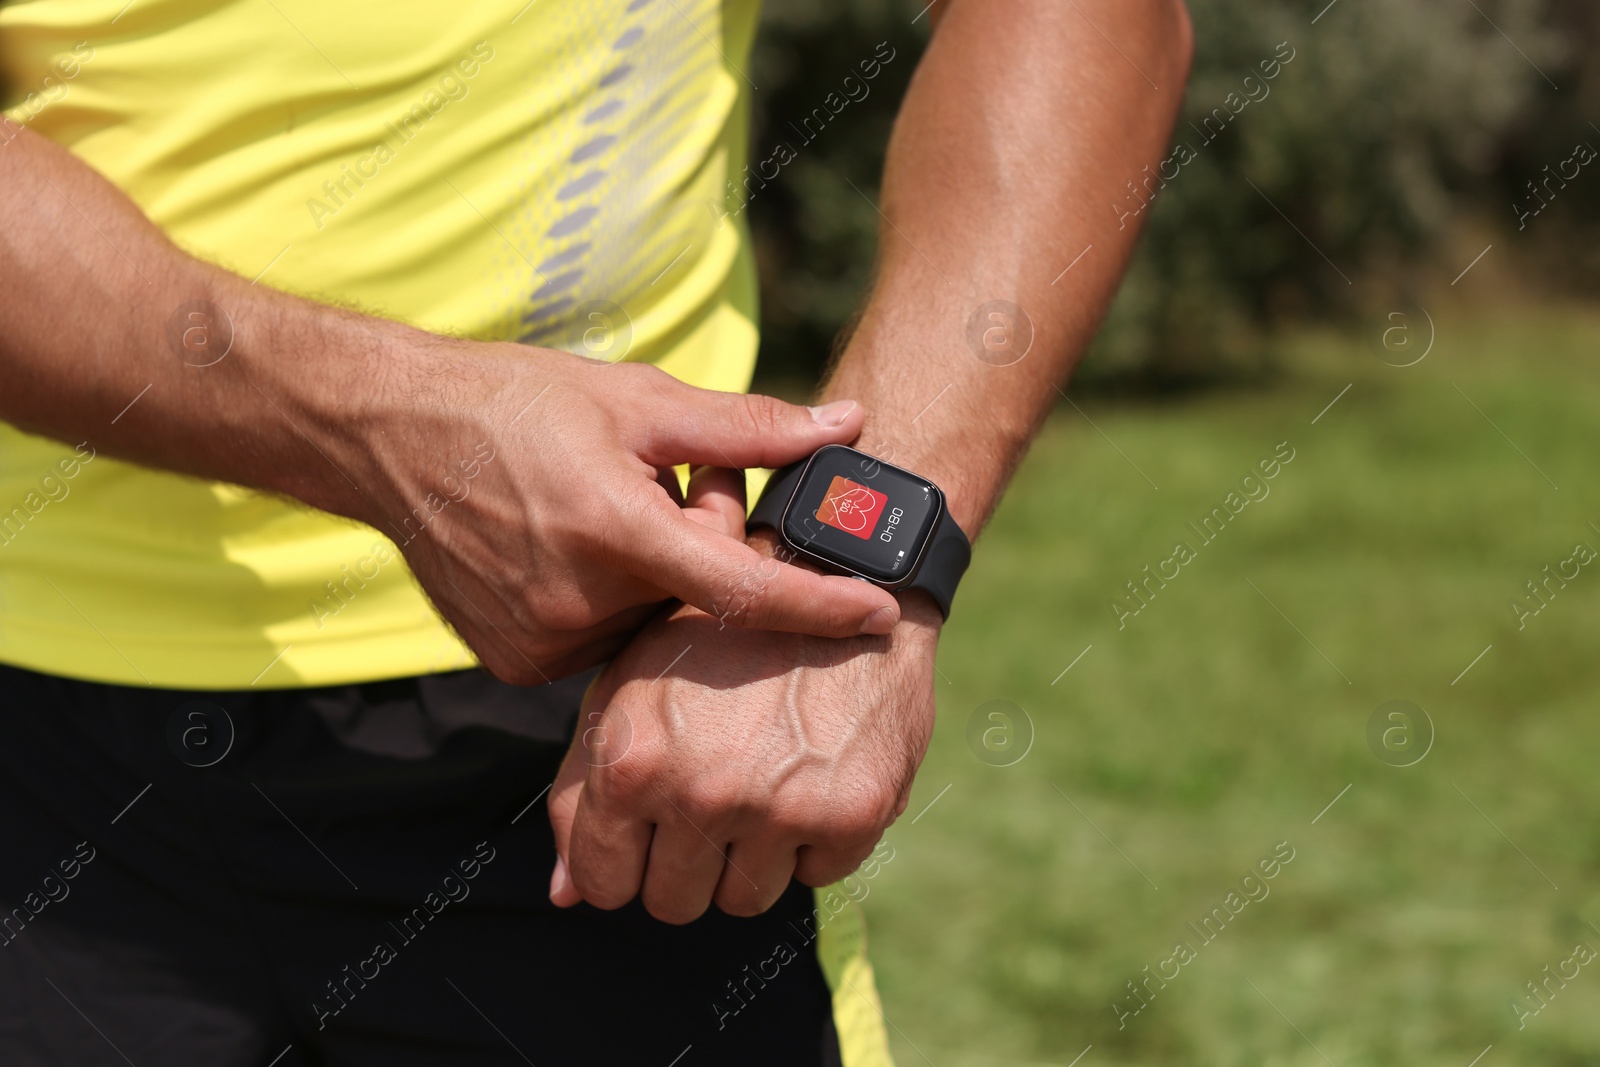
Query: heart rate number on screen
x=851, y=507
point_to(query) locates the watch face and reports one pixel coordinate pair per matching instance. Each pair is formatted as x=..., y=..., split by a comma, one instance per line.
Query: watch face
x=861, y=514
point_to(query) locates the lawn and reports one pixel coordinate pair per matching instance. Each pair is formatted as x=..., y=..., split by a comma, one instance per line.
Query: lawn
x=1226, y=726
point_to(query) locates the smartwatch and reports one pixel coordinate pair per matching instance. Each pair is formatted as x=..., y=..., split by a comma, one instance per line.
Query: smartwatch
x=860, y=516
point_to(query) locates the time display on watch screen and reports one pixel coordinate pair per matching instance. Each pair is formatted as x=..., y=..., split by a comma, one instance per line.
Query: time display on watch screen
x=862, y=514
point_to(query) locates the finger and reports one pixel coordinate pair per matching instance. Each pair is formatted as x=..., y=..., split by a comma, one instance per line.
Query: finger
x=580, y=649
x=602, y=844
x=607, y=851
x=559, y=654
x=742, y=430
x=729, y=579
x=667, y=478
x=565, y=793
x=469, y=612
x=682, y=873
x=818, y=865
x=716, y=500
x=755, y=877
x=522, y=656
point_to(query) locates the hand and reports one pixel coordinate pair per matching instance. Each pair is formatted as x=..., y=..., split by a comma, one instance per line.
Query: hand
x=713, y=764
x=533, y=495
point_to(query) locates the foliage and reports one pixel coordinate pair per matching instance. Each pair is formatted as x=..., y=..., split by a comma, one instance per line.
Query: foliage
x=814, y=234
x=1385, y=123
x=1396, y=122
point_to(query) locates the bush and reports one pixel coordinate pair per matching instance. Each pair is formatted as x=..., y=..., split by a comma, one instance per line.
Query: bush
x=814, y=234
x=1392, y=122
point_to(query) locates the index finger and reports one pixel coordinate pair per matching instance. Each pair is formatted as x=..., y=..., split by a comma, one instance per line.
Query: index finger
x=727, y=578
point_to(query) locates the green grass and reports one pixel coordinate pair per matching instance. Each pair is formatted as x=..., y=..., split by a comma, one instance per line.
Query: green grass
x=1210, y=728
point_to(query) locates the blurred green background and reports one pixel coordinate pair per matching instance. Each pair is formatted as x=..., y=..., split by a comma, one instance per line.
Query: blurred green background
x=1225, y=717
x=1398, y=139
x=1043, y=864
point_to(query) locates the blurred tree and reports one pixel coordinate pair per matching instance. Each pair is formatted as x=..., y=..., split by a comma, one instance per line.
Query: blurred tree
x=1560, y=245
x=814, y=234
x=1386, y=123
x=1375, y=138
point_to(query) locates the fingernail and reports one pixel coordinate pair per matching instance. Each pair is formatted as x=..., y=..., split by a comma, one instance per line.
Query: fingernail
x=880, y=622
x=559, y=881
x=833, y=414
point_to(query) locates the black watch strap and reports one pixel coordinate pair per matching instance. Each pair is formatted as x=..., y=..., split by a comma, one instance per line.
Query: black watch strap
x=943, y=563
x=775, y=497
x=939, y=570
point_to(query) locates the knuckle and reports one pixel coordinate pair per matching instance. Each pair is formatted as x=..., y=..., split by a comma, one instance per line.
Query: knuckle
x=710, y=802
x=752, y=597
x=794, y=823
x=854, y=859
x=604, y=897
x=558, y=614
x=855, y=825
x=820, y=869
x=509, y=668
x=765, y=415
x=500, y=666
x=745, y=601
x=524, y=675
x=670, y=912
x=743, y=904
x=625, y=783
x=594, y=889
x=846, y=835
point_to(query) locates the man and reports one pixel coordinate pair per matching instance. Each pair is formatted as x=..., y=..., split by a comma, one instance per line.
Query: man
x=292, y=448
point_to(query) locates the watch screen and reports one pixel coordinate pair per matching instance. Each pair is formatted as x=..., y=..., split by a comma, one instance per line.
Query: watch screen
x=862, y=514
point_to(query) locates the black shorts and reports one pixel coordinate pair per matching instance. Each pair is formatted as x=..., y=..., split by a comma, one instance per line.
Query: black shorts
x=344, y=876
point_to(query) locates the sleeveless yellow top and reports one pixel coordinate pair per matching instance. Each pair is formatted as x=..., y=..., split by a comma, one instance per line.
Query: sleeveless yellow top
x=482, y=169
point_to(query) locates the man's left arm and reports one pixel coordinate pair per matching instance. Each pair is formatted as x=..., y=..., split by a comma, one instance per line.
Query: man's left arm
x=712, y=763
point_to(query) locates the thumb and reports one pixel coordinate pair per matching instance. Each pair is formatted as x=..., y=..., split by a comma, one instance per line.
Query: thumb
x=701, y=426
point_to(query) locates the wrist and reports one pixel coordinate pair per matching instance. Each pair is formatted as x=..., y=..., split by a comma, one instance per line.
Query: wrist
x=917, y=609
x=334, y=392
x=948, y=414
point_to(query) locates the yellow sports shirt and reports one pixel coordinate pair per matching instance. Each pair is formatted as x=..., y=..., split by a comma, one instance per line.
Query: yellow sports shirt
x=482, y=169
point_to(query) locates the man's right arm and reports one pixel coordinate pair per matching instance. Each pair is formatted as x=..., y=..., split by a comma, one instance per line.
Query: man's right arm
x=110, y=333
x=89, y=287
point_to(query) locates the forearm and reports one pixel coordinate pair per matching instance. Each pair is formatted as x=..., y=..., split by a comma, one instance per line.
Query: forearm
x=93, y=345
x=541, y=571
x=1021, y=125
